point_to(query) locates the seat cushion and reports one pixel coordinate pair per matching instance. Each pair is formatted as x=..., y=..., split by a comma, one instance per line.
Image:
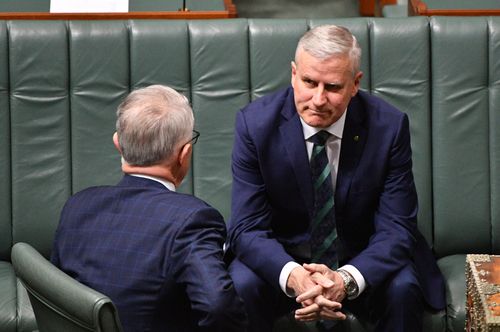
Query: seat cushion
x=453, y=269
x=8, y=298
x=26, y=321
x=16, y=313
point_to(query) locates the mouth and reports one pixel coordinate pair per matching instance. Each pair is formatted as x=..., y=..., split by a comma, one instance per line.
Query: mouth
x=316, y=111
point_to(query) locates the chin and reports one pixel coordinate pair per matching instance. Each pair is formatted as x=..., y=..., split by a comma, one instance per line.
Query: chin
x=317, y=122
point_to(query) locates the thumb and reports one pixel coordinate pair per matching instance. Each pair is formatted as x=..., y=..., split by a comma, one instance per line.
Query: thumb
x=313, y=267
x=322, y=280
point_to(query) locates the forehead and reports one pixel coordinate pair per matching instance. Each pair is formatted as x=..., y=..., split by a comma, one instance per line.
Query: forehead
x=323, y=69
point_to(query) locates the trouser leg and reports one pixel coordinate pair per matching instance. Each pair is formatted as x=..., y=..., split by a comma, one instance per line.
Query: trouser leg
x=263, y=303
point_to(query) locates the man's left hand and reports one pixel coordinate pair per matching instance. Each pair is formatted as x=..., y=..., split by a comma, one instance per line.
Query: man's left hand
x=319, y=272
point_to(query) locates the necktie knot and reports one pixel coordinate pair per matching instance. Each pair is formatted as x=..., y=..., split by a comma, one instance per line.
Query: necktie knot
x=320, y=137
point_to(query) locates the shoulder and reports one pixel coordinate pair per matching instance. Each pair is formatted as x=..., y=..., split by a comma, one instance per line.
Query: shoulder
x=162, y=200
x=189, y=207
x=266, y=113
x=188, y=200
x=89, y=194
x=269, y=104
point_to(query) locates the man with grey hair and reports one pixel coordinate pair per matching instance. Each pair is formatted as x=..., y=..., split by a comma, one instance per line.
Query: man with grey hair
x=324, y=204
x=156, y=253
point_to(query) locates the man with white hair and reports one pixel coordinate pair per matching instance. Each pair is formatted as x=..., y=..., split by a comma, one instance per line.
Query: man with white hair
x=156, y=253
x=324, y=206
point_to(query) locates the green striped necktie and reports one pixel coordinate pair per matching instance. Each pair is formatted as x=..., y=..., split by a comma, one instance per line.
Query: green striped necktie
x=323, y=228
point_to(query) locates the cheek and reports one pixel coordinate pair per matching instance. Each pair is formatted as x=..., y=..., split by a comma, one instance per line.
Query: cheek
x=302, y=95
x=339, y=100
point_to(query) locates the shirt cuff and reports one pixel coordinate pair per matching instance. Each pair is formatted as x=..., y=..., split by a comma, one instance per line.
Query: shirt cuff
x=285, y=273
x=358, y=277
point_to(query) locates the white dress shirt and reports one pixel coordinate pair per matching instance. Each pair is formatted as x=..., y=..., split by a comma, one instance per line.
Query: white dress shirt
x=333, y=145
x=169, y=185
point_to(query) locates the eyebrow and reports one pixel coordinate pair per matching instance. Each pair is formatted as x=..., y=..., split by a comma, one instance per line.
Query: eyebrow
x=327, y=85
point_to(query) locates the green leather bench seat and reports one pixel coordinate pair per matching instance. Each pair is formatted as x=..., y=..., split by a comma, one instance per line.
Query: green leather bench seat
x=60, y=83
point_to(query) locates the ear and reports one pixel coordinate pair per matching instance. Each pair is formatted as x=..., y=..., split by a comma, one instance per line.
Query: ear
x=184, y=158
x=116, y=142
x=357, y=82
x=294, y=72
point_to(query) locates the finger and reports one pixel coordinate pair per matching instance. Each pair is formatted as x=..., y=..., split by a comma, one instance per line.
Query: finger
x=322, y=280
x=323, y=302
x=307, y=318
x=313, y=267
x=309, y=294
x=313, y=308
x=332, y=315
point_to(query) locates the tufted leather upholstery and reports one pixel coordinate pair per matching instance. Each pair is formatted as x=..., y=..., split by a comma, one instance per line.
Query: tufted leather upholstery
x=60, y=83
x=61, y=303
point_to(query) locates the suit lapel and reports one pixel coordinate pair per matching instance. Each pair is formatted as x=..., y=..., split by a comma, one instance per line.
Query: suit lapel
x=353, y=142
x=295, y=147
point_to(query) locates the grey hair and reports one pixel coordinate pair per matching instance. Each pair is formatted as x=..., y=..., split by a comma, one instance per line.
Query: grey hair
x=151, y=123
x=327, y=41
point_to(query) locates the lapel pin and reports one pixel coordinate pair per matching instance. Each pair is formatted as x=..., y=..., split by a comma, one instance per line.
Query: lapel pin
x=356, y=138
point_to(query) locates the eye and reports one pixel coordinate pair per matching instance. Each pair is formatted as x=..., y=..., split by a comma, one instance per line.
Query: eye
x=309, y=83
x=333, y=87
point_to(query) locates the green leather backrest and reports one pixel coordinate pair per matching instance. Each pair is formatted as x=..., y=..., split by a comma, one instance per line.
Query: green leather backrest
x=60, y=83
x=494, y=128
x=219, y=80
x=98, y=80
x=40, y=128
x=465, y=125
x=5, y=161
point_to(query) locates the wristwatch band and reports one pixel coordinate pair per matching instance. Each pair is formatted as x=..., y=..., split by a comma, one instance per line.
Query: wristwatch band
x=350, y=286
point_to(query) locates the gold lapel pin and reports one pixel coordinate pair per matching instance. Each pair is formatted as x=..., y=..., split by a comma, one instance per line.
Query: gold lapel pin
x=356, y=138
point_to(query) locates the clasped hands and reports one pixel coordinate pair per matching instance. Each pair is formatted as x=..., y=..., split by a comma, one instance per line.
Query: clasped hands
x=320, y=292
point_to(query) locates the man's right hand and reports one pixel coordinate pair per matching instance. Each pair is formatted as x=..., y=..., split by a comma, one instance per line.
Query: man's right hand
x=302, y=281
x=321, y=271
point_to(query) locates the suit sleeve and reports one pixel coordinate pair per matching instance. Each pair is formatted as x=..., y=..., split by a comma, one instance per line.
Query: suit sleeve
x=55, y=252
x=198, y=265
x=392, y=244
x=250, y=231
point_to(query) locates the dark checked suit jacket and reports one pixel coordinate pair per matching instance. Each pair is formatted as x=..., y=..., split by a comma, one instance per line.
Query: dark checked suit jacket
x=375, y=198
x=156, y=253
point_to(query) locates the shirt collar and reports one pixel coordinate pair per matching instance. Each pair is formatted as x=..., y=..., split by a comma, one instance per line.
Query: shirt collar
x=169, y=185
x=336, y=128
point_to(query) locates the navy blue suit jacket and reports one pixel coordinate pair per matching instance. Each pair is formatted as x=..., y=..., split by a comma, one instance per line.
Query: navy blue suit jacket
x=156, y=253
x=375, y=197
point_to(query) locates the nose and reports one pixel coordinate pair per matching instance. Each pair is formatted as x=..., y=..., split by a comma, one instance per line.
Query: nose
x=319, y=97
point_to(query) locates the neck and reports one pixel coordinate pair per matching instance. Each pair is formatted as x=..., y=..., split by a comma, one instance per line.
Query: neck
x=159, y=171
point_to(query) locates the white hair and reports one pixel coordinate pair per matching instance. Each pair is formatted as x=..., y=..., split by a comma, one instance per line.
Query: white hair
x=327, y=41
x=151, y=123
